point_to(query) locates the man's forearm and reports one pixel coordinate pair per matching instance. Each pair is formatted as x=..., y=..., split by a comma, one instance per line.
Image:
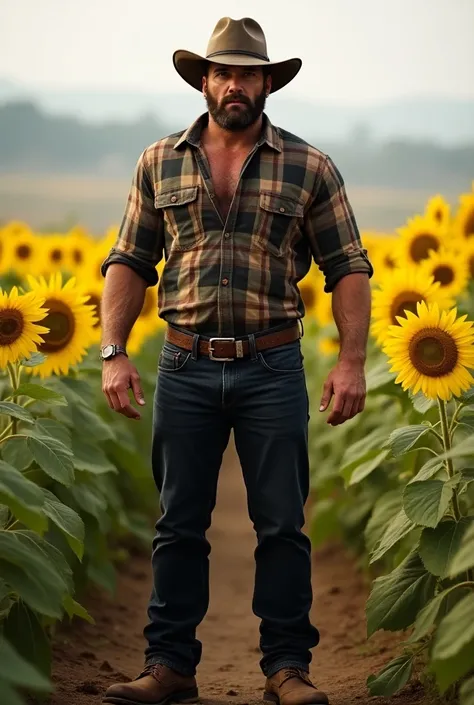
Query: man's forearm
x=122, y=301
x=351, y=306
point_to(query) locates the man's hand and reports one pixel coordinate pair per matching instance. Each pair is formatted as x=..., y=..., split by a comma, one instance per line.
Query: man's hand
x=118, y=376
x=346, y=382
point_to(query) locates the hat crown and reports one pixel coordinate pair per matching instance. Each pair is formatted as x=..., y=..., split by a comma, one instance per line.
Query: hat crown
x=244, y=36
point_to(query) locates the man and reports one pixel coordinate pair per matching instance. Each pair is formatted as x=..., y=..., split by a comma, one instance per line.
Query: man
x=238, y=209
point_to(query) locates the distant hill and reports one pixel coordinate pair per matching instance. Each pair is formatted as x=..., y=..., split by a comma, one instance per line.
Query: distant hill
x=443, y=121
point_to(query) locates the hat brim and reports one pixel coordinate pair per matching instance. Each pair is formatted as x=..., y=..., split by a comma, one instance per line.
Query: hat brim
x=191, y=67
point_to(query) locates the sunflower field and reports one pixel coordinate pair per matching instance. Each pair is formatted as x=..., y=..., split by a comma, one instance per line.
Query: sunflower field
x=396, y=483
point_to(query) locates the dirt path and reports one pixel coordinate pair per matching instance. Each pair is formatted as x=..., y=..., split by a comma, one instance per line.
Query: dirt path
x=89, y=658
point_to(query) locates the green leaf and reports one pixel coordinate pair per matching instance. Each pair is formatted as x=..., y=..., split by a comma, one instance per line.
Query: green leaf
x=468, y=396
x=73, y=609
x=392, y=677
x=438, y=546
x=379, y=377
x=85, y=421
x=428, y=470
x=421, y=404
x=397, y=529
x=23, y=497
x=90, y=458
x=426, y=618
x=16, y=452
x=15, y=670
x=27, y=569
x=55, y=429
x=324, y=521
x=55, y=557
x=9, y=695
x=384, y=510
x=451, y=670
x=396, y=598
x=462, y=556
x=104, y=575
x=366, y=468
x=77, y=391
x=23, y=630
x=467, y=692
x=67, y=520
x=40, y=393
x=90, y=500
x=16, y=411
x=455, y=631
x=53, y=457
x=401, y=440
x=357, y=452
x=34, y=360
x=425, y=503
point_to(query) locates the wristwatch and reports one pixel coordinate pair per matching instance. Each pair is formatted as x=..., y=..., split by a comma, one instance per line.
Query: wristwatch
x=107, y=352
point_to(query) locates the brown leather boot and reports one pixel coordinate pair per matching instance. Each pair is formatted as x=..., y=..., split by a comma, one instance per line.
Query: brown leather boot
x=292, y=686
x=156, y=685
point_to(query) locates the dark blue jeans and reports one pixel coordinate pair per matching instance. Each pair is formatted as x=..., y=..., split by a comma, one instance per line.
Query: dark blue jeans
x=197, y=402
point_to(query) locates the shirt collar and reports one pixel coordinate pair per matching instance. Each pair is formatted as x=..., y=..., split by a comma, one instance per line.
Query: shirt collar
x=269, y=136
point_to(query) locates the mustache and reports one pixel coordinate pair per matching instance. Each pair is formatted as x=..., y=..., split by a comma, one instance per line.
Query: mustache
x=235, y=98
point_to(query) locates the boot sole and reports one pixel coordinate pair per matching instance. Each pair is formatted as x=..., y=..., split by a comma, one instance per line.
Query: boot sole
x=186, y=696
x=275, y=700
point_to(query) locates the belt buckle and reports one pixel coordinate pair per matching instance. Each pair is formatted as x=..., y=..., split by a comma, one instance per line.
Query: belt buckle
x=211, y=349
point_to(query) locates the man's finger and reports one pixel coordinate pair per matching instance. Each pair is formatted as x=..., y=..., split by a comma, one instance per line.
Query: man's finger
x=122, y=405
x=327, y=395
x=137, y=390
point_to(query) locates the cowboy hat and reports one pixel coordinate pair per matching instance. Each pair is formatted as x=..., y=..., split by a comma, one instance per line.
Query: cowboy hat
x=235, y=43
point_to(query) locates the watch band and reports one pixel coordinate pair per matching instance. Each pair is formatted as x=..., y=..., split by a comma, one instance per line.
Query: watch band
x=115, y=350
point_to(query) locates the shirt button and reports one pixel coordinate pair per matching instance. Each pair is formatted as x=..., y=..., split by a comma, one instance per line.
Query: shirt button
x=227, y=236
x=173, y=199
x=225, y=282
x=282, y=210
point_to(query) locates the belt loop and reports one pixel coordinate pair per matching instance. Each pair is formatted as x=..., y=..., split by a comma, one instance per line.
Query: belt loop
x=300, y=321
x=252, y=347
x=195, y=348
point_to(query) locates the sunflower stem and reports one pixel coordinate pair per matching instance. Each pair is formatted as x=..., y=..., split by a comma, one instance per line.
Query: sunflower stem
x=447, y=447
x=13, y=371
x=438, y=436
x=454, y=420
x=14, y=435
x=6, y=431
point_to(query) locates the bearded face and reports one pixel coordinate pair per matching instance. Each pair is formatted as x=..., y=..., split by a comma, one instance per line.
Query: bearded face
x=236, y=99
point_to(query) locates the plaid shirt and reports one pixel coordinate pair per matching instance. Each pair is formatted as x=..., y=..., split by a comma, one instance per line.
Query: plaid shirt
x=240, y=276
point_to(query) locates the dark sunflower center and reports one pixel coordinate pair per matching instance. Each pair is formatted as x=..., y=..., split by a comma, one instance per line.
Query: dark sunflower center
x=77, y=256
x=389, y=262
x=150, y=302
x=433, y=352
x=421, y=246
x=11, y=326
x=94, y=300
x=444, y=275
x=438, y=215
x=308, y=295
x=61, y=323
x=405, y=301
x=469, y=227
x=23, y=251
x=56, y=255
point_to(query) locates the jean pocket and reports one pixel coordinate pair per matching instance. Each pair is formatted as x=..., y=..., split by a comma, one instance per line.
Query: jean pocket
x=285, y=359
x=172, y=359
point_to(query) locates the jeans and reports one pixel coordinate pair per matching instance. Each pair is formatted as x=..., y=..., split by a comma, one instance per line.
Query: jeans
x=264, y=399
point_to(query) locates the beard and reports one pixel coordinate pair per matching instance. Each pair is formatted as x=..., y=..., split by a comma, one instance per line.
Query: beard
x=236, y=119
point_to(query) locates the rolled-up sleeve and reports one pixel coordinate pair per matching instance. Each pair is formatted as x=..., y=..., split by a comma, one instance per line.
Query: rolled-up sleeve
x=332, y=230
x=139, y=243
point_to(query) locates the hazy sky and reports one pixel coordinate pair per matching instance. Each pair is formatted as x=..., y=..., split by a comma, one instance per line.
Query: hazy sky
x=353, y=51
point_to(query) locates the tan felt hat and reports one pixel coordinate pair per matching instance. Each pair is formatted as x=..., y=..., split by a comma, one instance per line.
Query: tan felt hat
x=235, y=43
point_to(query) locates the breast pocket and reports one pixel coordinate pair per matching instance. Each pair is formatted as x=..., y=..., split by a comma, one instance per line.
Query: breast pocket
x=279, y=219
x=182, y=216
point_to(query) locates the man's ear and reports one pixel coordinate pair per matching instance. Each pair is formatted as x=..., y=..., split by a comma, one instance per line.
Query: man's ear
x=268, y=84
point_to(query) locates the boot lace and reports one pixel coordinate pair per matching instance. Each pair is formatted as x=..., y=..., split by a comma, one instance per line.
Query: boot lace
x=155, y=670
x=294, y=672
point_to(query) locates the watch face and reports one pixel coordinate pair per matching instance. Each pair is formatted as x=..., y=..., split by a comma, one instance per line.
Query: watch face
x=107, y=351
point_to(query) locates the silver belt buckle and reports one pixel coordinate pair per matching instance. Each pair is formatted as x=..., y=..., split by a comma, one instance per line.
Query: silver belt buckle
x=211, y=349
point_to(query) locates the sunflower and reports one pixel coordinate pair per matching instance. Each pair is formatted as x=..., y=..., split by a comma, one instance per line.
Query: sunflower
x=310, y=288
x=77, y=245
x=25, y=253
x=431, y=352
x=56, y=257
x=464, y=218
x=93, y=291
x=138, y=336
x=5, y=253
x=469, y=254
x=384, y=256
x=449, y=268
x=323, y=309
x=438, y=209
x=19, y=332
x=329, y=345
x=16, y=227
x=418, y=237
x=70, y=322
x=400, y=292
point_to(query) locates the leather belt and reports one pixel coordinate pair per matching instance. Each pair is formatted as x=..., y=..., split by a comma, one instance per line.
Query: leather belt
x=228, y=349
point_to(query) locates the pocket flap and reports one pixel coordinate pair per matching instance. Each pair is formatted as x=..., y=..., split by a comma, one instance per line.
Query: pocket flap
x=284, y=205
x=177, y=197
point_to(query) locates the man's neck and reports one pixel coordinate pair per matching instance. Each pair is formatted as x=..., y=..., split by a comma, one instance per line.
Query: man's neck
x=227, y=139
